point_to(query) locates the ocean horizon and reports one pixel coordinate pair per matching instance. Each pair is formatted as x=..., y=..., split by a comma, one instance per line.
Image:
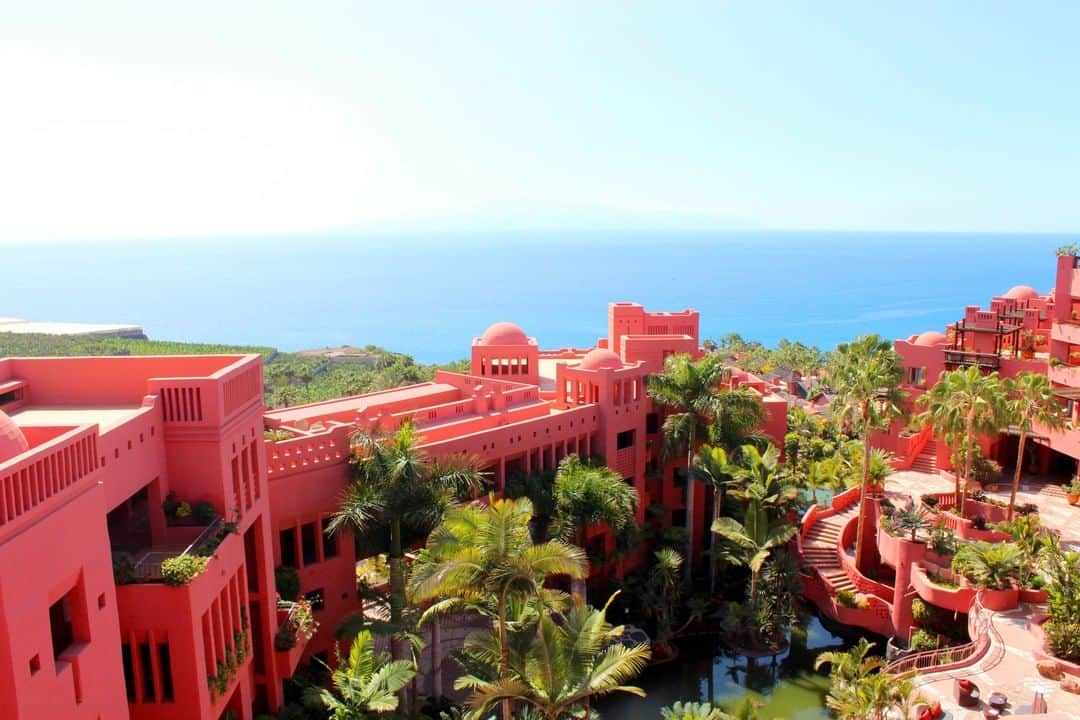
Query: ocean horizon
x=429, y=294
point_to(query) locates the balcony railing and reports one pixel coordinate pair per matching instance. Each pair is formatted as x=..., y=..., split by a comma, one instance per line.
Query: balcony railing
x=968, y=358
x=148, y=567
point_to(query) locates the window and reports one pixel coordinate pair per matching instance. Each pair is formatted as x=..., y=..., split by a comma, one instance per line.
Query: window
x=288, y=547
x=917, y=376
x=147, y=668
x=129, y=671
x=624, y=440
x=165, y=664
x=652, y=423
x=678, y=518
x=330, y=542
x=679, y=477
x=316, y=598
x=63, y=631
x=308, y=545
x=10, y=396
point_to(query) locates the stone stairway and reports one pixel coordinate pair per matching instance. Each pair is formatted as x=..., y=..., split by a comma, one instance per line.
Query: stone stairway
x=926, y=462
x=819, y=550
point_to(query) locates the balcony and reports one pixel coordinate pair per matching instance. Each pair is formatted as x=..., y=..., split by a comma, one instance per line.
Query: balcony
x=966, y=358
x=295, y=628
x=1065, y=375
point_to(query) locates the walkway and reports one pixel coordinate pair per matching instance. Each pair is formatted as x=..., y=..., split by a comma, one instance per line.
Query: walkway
x=1008, y=667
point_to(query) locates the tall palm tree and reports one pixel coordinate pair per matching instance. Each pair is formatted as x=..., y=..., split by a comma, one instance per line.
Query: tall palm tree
x=752, y=541
x=964, y=404
x=482, y=558
x=689, y=388
x=395, y=486
x=703, y=410
x=365, y=682
x=713, y=466
x=866, y=376
x=569, y=659
x=1031, y=401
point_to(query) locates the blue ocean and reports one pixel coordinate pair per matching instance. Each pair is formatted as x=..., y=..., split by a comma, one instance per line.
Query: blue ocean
x=430, y=294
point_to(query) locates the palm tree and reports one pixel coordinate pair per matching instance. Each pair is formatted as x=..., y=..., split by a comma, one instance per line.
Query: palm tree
x=691, y=389
x=1032, y=401
x=584, y=495
x=569, y=660
x=964, y=404
x=910, y=520
x=866, y=376
x=395, y=485
x=365, y=682
x=746, y=710
x=482, y=558
x=861, y=689
x=751, y=542
x=712, y=465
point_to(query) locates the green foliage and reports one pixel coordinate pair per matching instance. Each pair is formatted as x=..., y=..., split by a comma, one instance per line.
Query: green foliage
x=1063, y=636
x=922, y=640
x=277, y=435
x=988, y=565
x=289, y=378
x=1068, y=250
x=556, y=666
x=181, y=569
x=752, y=356
x=364, y=682
x=846, y=598
x=942, y=539
x=287, y=582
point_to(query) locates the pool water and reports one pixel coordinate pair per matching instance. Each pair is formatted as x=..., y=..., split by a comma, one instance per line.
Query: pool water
x=786, y=685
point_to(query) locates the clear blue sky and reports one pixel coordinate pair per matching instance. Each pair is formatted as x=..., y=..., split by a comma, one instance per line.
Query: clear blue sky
x=185, y=118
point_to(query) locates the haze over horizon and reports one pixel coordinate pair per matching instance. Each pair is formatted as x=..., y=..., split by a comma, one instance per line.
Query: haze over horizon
x=152, y=119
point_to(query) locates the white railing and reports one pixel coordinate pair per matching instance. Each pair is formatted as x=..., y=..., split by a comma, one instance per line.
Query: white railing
x=983, y=636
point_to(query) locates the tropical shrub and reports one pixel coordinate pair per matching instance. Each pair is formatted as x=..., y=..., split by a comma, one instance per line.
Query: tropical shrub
x=1063, y=637
x=942, y=539
x=287, y=582
x=1027, y=509
x=988, y=565
x=930, y=501
x=180, y=570
x=846, y=598
x=922, y=640
x=277, y=435
x=203, y=512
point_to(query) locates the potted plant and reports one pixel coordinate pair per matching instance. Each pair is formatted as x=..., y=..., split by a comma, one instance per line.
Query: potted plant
x=1072, y=491
x=1027, y=344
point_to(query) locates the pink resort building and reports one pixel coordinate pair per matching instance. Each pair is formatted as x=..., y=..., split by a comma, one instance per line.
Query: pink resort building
x=111, y=467
x=1022, y=330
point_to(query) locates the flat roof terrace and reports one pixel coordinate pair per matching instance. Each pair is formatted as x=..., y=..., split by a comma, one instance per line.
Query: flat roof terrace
x=346, y=408
x=106, y=417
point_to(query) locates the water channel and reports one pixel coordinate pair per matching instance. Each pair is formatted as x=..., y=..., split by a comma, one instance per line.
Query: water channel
x=786, y=685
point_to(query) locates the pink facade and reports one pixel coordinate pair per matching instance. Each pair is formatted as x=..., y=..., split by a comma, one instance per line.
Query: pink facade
x=96, y=454
x=1022, y=330
x=519, y=409
x=106, y=439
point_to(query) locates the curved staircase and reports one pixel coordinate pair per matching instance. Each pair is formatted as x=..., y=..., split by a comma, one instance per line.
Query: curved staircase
x=820, y=546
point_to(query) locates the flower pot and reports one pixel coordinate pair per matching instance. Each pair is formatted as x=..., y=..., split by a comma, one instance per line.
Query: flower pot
x=1073, y=498
x=1032, y=595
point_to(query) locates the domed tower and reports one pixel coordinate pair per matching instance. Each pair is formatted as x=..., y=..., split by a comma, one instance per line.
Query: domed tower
x=505, y=352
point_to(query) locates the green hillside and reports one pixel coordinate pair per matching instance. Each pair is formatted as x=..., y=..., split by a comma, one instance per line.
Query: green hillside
x=291, y=379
